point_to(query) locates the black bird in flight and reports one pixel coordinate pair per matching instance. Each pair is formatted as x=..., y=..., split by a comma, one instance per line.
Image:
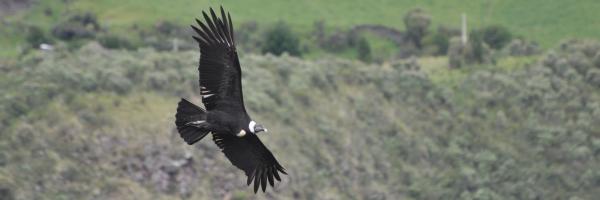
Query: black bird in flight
x=225, y=116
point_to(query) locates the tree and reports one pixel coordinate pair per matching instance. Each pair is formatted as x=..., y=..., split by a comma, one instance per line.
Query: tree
x=36, y=36
x=364, y=50
x=416, y=21
x=496, y=36
x=281, y=39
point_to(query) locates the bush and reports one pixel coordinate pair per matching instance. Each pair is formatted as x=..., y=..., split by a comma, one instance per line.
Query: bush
x=71, y=31
x=36, y=36
x=520, y=47
x=596, y=60
x=441, y=39
x=78, y=26
x=6, y=194
x=593, y=77
x=279, y=39
x=111, y=41
x=319, y=30
x=167, y=28
x=441, y=42
x=86, y=19
x=247, y=37
x=496, y=36
x=337, y=42
x=455, y=52
x=475, y=51
x=364, y=50
x=416, y=21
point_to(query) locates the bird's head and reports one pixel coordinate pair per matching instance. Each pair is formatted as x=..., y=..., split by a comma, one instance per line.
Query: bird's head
x=256, y=128
x=253, y=128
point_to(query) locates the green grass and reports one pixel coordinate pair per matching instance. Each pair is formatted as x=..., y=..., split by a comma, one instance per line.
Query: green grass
x=514, y=63
x=438, y=71
x=382, y=48
x=545, y=21
x=9, y=42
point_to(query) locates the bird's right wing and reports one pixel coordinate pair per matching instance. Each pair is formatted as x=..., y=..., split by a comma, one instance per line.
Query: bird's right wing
x=250, y=155
x=220, y=72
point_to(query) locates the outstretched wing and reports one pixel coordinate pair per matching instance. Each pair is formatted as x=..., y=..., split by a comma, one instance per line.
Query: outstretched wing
x=220, y=73
x=251, y=156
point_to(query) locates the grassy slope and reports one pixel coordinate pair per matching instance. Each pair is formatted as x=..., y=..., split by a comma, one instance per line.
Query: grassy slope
x=343, y=129
x=541, y=20
x=544, y=21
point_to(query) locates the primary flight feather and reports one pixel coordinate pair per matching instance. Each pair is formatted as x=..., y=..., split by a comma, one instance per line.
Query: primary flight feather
x=225, y=116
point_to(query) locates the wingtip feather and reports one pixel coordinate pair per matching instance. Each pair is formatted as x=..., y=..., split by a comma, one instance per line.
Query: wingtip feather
x=270, y=177
x=281, y=169
x=217, y=25
x=213, y=28
x=263, y=181
x=276, y=174
x=249, y=181
x=231, y=28
x=257, y=181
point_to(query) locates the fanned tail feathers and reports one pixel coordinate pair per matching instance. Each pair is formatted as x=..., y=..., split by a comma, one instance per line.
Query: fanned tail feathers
x=191, y=122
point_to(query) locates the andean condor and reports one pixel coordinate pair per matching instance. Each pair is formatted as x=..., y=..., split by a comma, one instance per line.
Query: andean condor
x=225, y=116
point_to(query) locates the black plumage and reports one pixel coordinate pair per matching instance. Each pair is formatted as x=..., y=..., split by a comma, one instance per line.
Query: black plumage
x=225, y=116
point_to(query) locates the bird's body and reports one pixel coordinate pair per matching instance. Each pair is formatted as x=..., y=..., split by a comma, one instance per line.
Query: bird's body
x=233, y=130
x=228, y=122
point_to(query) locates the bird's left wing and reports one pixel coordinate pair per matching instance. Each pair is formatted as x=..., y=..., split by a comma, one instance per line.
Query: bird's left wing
x=250, y=155
x=220, y=72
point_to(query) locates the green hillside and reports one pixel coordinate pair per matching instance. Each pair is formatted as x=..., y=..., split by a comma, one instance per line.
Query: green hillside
x=547, y=22
x=93, y=118
x=98, y=124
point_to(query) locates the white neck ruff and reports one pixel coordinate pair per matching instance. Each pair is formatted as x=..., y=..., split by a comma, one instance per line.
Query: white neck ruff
x=251, y=126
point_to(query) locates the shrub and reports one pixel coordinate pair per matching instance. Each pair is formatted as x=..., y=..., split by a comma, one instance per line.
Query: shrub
x=279, y=39
x=441, y=42
x=167, y=28
x=593, y=77
x=596, y=60
x=496, y=36
x=337, y=42
x=364, y=50
x=86, y=19
x=441, y=39
x=78, y=26
x=416, y=21
x=6, y=193
x=36, y=36
x=112, y=41
x=319, y=30
x=246, y=36
x=520, y=47
x=455, y=52
x=475, y=51
x=70, y=31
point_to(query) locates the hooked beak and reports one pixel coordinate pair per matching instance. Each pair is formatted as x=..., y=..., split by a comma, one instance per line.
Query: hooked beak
x=259, y=128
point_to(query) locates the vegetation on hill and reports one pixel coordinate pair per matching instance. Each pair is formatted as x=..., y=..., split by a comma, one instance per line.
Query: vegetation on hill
x=545, y=22
x=422, y=115
x=96, y=123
